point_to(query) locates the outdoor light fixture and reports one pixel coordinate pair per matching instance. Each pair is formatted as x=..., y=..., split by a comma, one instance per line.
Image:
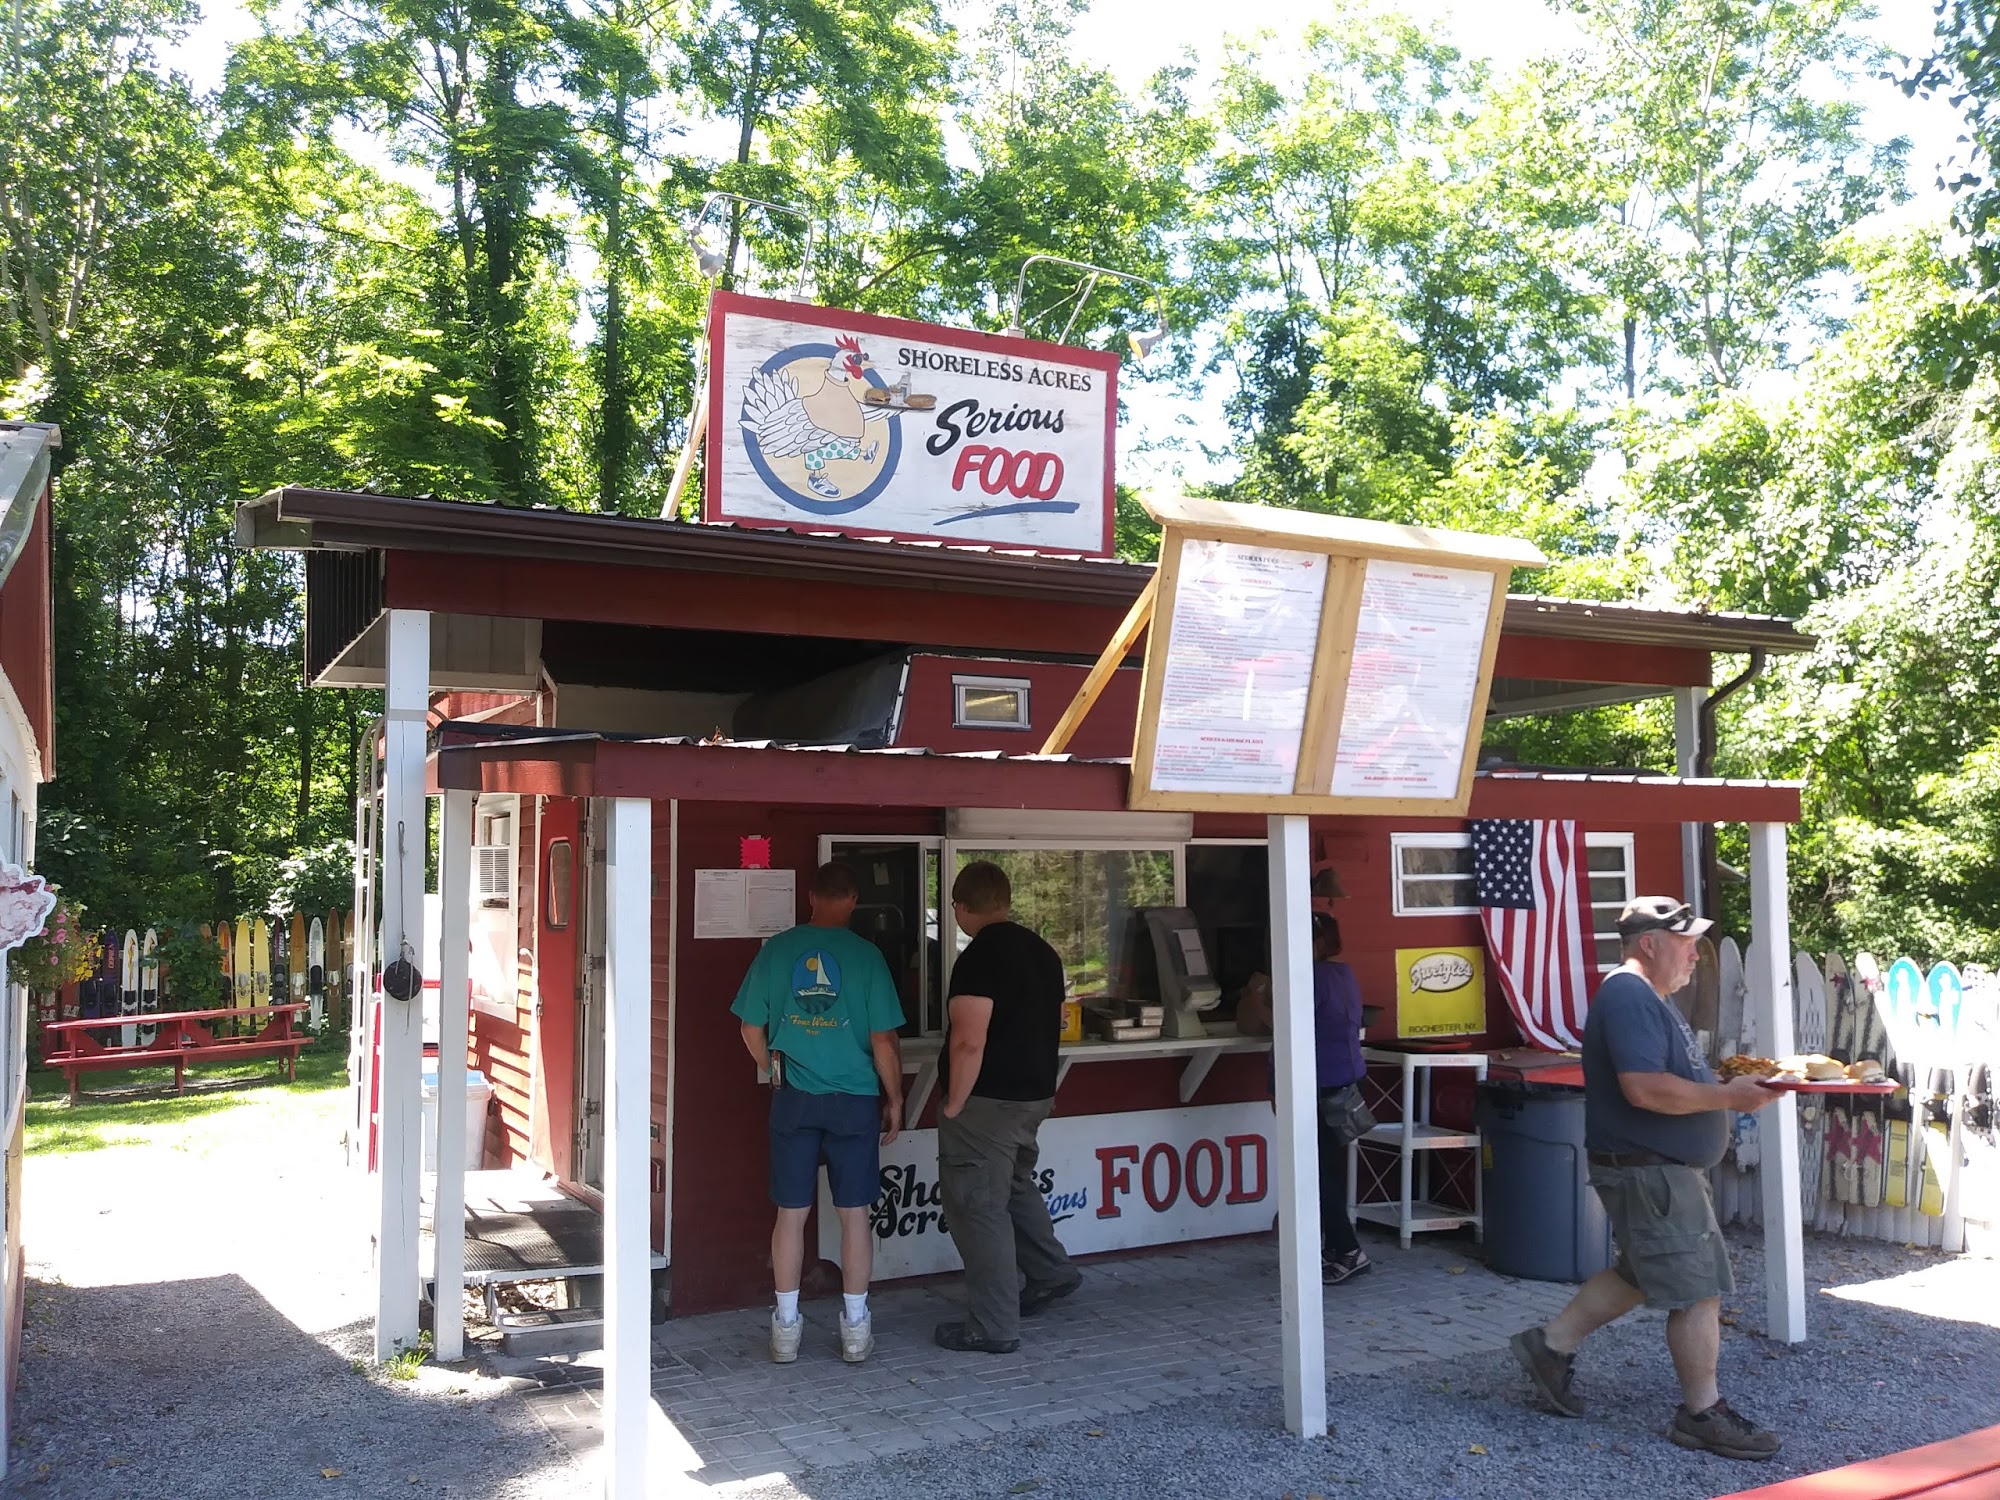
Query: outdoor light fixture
x=1142, y=344
x=712, y=258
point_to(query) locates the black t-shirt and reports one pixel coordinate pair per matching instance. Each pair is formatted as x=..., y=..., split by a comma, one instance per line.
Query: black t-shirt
x=1023, y=977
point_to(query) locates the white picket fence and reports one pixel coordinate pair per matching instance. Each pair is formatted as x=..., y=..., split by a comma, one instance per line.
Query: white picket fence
x=1920, y=1169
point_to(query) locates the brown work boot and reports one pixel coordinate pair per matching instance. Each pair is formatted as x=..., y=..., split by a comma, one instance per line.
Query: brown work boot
x=1725, y=1431
x=1550, y=1371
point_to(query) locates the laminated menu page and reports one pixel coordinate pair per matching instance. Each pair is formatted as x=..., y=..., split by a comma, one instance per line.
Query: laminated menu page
x=1414, y=680
x=1239, y=664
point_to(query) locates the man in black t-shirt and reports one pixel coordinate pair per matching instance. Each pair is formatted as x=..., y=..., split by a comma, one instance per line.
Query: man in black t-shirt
x=1000, y=1083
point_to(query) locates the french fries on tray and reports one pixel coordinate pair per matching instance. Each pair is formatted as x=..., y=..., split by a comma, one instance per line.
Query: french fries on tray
x=1802, y=1067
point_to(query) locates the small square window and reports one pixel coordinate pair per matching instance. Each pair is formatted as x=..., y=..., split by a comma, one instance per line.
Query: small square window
x=1433, y=874
x=989, y=702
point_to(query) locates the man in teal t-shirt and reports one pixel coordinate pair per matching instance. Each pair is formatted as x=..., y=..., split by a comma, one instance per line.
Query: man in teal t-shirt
x=820, y=1012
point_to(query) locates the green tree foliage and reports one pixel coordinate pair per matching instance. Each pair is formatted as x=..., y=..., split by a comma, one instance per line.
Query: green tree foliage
x=1623, y=302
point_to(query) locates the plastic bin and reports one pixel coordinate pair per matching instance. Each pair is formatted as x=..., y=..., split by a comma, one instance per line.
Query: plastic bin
x=478, y=1092
x=1543, y=1220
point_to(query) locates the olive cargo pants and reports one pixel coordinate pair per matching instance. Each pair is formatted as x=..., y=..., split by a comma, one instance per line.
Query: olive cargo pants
x=998, y=1218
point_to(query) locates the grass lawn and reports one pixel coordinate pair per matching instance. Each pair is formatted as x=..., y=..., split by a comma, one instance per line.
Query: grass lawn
x=140, y=1107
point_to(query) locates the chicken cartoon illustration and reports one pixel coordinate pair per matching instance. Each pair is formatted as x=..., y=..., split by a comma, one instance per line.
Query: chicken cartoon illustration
x=826, y=422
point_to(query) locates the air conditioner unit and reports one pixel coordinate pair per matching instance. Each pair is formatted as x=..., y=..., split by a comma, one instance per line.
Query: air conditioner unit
x=493, y=866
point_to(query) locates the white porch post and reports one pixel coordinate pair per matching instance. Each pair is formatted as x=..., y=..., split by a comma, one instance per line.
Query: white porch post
x=1687, y=748
x=454, y=980
x=1778, y=1132
x=1297, y=1133
x=628, y=1068
x=406, y=696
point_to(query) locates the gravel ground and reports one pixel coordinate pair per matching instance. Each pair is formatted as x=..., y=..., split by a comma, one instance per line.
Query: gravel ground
x=1892, y=1372
x=196, y=1325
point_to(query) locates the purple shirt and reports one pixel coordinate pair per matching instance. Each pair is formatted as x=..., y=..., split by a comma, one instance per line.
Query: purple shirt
x=1336, y=1024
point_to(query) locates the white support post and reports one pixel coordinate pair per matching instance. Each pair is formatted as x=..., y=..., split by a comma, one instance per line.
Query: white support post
x=628, y=1069
x=406, y=695
x=454, y=1005
x=1687, y=747
x=1297, y=1134
x=1778, y=1124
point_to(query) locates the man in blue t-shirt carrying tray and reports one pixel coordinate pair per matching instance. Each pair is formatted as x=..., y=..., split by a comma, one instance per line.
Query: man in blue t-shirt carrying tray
x=820, y=1013
x=1655, y=1121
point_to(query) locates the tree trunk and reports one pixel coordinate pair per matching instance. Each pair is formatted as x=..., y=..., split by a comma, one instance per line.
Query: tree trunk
x=615, y=414
x=749, y=110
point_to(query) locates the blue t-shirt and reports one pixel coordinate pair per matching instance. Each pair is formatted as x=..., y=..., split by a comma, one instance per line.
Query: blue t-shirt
x=819, y=993
x=1632, y=1030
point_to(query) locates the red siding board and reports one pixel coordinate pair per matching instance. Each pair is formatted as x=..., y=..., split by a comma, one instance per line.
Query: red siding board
x=27, y=636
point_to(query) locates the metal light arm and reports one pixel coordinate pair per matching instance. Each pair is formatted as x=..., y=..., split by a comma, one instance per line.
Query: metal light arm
x=1141, y=344
x=805, y=260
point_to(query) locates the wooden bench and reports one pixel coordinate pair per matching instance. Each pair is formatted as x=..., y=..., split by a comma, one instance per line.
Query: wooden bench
x=1960, y=1468
x=180, y=1037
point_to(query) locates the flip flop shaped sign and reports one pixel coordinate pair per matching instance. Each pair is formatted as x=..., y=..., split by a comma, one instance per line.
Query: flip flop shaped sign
x=1902, y=1001
x=25, y=904
x=1944, y=987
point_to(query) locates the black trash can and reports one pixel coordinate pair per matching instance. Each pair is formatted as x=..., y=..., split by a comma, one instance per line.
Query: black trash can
x=1543, y=1221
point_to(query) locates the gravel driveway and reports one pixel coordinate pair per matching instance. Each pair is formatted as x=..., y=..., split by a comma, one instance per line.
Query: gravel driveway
x=196, y=1326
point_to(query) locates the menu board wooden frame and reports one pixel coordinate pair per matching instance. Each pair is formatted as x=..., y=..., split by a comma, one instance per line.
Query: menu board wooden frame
x=1348, y=547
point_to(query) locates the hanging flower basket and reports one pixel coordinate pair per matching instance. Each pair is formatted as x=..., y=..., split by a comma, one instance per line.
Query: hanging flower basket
x=62, y=953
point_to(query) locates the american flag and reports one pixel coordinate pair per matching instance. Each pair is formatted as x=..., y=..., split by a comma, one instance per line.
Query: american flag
x=1527, y=875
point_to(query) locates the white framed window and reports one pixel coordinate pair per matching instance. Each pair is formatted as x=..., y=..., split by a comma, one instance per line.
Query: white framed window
x=495, y=871
x=1433, y=874
x=1613, y=882
x=989, y=702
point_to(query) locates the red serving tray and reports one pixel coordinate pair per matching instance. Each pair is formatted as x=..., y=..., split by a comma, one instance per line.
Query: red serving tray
x=1829, y=1086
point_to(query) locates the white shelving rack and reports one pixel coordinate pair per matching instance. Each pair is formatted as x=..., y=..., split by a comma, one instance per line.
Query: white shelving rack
x=1414, y=1138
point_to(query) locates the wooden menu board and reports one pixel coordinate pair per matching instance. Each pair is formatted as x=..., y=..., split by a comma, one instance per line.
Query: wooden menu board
x=1306, y=663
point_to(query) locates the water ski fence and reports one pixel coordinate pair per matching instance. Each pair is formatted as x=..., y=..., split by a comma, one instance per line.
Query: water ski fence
x=263, y=960
x=1920, y=1167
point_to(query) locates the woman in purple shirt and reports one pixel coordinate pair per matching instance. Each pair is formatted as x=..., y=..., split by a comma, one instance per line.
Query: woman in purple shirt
x=1337, y=1045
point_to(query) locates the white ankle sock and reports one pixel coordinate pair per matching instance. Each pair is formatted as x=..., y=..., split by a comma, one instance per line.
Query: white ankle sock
x=788, y=1307
x=857, y=1305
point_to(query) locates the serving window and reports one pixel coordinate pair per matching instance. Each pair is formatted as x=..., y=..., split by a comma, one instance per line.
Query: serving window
x=1084, y=902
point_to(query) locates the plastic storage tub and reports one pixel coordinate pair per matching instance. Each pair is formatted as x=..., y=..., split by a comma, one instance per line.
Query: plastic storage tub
x=1543, y=1220
x=477, y=1092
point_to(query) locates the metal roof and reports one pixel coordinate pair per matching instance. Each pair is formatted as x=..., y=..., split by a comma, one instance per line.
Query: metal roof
x=594, y=763
x=303, y=519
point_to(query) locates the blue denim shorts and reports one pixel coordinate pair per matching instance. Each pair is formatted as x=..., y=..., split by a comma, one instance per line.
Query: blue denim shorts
x=843, y=1130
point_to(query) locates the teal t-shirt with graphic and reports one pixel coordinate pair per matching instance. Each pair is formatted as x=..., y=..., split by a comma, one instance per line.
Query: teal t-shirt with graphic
x=819, y=992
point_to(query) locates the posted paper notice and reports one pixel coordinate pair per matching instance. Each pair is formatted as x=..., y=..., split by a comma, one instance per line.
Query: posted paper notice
x=1239, y=666
x=1417, y=648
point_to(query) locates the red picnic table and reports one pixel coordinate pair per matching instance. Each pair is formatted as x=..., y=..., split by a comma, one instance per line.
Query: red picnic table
x=179, y=1038
x=1960, y=1468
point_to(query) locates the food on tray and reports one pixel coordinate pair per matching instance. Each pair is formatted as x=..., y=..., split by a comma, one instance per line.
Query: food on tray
x=1742, y=1065
x=1816, y=1067
x=1866, y=1070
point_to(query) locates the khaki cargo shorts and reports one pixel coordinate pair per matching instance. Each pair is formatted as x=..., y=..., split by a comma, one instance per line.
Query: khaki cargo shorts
x=1669, y=1245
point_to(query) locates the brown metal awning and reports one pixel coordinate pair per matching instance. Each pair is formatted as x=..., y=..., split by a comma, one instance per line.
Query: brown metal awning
x=593, y=765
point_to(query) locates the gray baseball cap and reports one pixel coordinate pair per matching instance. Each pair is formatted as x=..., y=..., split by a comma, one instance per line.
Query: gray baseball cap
x=1660, y=914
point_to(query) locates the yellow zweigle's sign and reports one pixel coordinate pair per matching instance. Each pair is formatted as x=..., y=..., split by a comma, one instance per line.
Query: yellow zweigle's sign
x=1300, y=663
x=1440, y=992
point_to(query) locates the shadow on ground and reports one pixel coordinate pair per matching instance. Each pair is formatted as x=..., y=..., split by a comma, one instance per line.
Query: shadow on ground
x=201, y=1388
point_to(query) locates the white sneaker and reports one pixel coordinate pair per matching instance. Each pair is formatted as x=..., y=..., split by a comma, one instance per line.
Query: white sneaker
x=857, y=1340
x=785, y=1338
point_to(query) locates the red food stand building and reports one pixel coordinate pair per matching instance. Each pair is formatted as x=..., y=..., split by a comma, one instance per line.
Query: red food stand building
x=646, y=734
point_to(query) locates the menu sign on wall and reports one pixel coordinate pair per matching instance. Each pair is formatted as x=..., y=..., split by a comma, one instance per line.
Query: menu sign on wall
x=1307, y=663
x=1410, y=692
x=1231, y=719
